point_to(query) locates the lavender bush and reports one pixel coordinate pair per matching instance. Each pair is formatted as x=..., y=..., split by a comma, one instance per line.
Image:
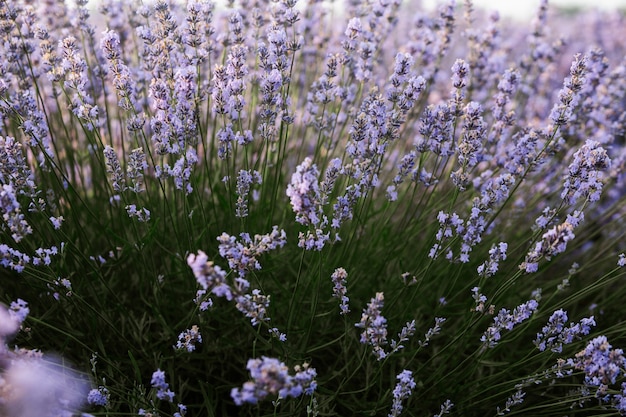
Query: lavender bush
x=271, y=208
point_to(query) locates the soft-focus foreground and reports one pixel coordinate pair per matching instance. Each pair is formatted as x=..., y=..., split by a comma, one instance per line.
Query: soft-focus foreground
x=320, y=209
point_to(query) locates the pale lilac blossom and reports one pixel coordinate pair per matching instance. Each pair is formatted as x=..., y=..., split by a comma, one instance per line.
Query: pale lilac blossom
x=601, y=364
x=114, y=169
x=13, y=219
x=433, y=331
x=99, y=396
x=142, y=214
x=242, y=256
x=339, y=278
x=556, y=333
x=446, y=407
x=18, y=310
x=584, y=177
x=163, y=390
x=497, y=253
x=506, y=320
x=403, y=390
x=188, y=339
x=245, y=179
x=271, y=377
x=56, y=222
x=210, y=276
x=374, y=326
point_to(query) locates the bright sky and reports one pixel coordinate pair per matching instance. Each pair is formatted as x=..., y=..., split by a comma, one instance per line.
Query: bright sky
x=526, y=8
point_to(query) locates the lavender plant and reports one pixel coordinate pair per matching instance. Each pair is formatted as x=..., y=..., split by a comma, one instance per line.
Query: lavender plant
x=305, y=208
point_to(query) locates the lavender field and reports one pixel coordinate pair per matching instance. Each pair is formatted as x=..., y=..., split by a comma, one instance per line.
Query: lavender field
x=313, y=208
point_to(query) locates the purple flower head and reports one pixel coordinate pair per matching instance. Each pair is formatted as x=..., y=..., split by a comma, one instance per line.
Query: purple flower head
x=433, y=331
x=8, y=325
x=271, y=377
x=188, y=339
x=242, y=257
x=254, y=306
x=562, y=111
x=304, y=193
x=460, y=73
x=374, y=326
x=339, y=278
x=601, y=364
x=505, y=320
x=402, y=391
x=122, y=81
x=245, y=179
x=556, y=334
x=158, y=382
x=19, y=310
x=553, y=242
x=11, y=212
x=99, y=396
x=14, y=169
x=143, y=214
x=210, y=276
x=584, y=177
x=497, y=253
x=118, y=181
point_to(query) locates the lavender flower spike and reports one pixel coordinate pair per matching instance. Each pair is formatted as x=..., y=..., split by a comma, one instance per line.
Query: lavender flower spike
x=374, y=326
x=271, y=377
x=339, y=290
x=402, y=392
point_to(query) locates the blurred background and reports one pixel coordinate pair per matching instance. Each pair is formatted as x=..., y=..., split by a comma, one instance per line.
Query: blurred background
x=526, y=8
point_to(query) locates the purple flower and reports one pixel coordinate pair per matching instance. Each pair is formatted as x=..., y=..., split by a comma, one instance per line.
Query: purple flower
x=8, y=326
x=143, y=214
x=245, y=179
x=19, y=310
x=407, y=331
x=76, y=79
x=118, y=181
x=553, y=242
x=158, y=382
x=188, y=339
x=304, y=194
x=242, y=257
x=555, y=334
x=505, y=320
x=479, y=299
x=136, y=166
x=271, y=377
x=122, y=81
x=275, y=332
x=98, y=396
x=497, y=253
x=584, y=177
x=460, y=73
x=445, y=408
x=339, y=289
x=254, y=306
x=14, y=169
x=210, y=276
x=433, y=331
x=562, y=111
x=374, y=326
x=11, y=212
x=402, y=392
x=601, y=364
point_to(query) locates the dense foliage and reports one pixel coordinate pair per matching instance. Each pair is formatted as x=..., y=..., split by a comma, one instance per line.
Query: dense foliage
x=264, y=208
